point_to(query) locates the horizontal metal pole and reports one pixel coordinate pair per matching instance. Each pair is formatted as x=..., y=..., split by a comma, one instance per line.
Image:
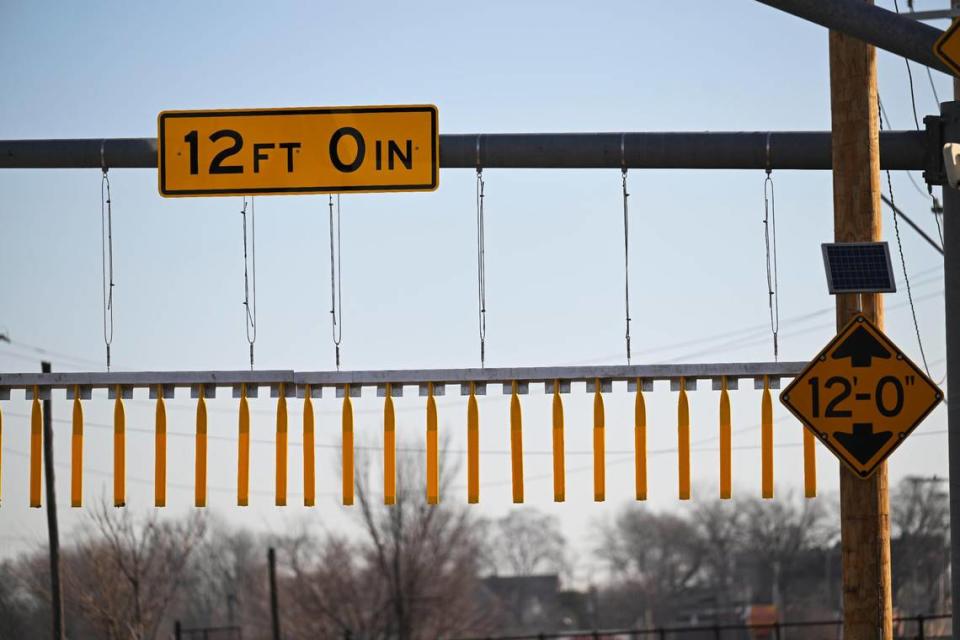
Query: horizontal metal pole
x=899, y=150
x=168, y=380
x=937, y=14
x=872, y=24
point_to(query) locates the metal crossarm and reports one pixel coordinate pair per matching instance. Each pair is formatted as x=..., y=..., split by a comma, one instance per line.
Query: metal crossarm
x=297, y=381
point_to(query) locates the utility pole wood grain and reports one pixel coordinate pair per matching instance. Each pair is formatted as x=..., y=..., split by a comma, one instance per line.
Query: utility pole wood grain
x=864, y=504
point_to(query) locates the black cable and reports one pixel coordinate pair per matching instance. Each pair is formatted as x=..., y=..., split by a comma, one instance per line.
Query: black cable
x=903, y=261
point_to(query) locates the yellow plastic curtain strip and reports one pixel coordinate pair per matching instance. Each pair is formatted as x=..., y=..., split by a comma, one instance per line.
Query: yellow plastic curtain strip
x=347, y=447
x=640, y=442
x=766, y=441
x=281, y=500
x=200, y=488
x=516, y=445
x=119, y=450
x=473, y=447
x=599, y=472
x=309, y=453
x=559, y=467
x=433, y=463
x=725, y=443
x=243, y=450
x=160, y=452
x=76, y=453
x=36, y=444
x=389, y=449
x=683, y=442
x=809, y=464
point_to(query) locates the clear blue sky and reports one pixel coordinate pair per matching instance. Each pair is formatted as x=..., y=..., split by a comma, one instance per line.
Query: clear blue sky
x=554, y=239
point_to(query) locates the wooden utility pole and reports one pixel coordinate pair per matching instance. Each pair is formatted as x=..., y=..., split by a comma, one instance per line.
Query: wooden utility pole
x=53, y=530
x=864, y=504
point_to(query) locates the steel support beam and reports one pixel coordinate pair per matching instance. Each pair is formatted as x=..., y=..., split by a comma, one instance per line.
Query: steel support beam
x=951, y=286
x=295, y=380
x=810, y=150
x=874, y=25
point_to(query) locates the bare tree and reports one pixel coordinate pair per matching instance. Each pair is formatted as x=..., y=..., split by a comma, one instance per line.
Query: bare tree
x=411, y=573
x=653, y=558
x=123, y=574
x=720, y=524
x=426, y=555
x=526, y=542
x=779, y=535
x=225, y=582
x=920, y=519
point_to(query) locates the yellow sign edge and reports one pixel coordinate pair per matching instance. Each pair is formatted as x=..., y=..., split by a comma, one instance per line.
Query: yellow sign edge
x=942, y=40
x=784, y=396
x=432, y=186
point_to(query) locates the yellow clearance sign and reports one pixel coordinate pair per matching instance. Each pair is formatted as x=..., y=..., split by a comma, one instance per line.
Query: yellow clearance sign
x=947, y=48
x=861, y=396
x=298, y=150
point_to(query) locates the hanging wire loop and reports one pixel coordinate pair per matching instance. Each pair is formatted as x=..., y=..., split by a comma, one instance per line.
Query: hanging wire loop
x=336, y=304
x=626, y=241
x=481, y=265
x=770, y=242
x=106, y=247
x=250, y=274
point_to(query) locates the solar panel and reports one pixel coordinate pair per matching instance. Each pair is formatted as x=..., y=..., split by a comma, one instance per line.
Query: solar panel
x=858, y=267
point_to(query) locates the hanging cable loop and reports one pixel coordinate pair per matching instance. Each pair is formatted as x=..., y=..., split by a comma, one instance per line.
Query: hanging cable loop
x=626, y=241
x=250, y=274
x=106, y=247
x=770, y=242
x=481, y=266
x=336, y=305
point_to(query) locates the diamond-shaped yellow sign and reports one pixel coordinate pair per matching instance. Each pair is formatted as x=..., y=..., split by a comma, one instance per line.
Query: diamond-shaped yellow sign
x=947, y=47
x=861, y=396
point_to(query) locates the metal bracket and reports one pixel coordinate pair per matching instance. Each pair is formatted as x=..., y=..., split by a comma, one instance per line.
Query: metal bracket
x=396, y=390
x=126, y=392
x=934, y=173
x=354, y=390
x=168, y=391
x=438, y=390
x=645, y=385
x=732, y=384
x=289, y=390
x=209, y=391
x=316, y=391
x=564, y=386
x=253, y=390
x=606, y=386
x=85, y=392
x=774, y=383
x=479, y=388
x=523, y=388
x=690, y=384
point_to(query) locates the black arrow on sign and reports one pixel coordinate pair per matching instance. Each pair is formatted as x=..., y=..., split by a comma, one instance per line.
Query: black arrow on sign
x=861, y=347
x=863, y=443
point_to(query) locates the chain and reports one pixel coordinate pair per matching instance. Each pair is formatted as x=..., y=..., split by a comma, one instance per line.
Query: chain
x=336, y=304
x=626, y=242
x=770, y=243
x=106, y=247
x=250, y=303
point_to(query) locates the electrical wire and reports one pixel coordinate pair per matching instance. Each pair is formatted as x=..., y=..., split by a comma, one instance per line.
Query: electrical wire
x=896, y=228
